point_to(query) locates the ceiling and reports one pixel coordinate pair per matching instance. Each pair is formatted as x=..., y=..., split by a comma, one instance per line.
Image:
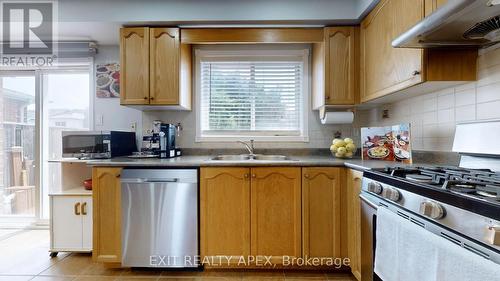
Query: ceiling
x=99, y=20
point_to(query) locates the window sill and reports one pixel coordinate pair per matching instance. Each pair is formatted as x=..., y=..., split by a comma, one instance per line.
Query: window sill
x=256, y=138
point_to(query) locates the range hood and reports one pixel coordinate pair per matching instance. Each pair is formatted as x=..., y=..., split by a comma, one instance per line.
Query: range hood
x=458, y=23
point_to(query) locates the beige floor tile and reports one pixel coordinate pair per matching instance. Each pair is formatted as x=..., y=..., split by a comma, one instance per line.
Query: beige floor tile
x=140, y=272
x=263, y=274
x=100, y=270
x=75, y=264
x=52, y=278
x=95, y=278
x=137, y=278
x=15, y=278
x=181, y=274
x=26, y=253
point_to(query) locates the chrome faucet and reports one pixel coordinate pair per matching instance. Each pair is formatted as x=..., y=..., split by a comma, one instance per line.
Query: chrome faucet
x=250, y=147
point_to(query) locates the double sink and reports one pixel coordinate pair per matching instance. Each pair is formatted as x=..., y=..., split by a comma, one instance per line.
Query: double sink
x=248, y=157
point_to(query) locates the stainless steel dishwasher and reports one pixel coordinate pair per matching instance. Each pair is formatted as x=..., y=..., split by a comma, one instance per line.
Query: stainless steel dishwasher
x=159, y=217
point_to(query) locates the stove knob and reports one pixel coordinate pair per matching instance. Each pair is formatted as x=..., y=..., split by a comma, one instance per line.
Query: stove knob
x=493, y=235
x=432, y=210
x=375, y=187
x=391, y=194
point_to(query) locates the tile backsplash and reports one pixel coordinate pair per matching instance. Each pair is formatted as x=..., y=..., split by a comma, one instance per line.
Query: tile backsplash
x=433, y=116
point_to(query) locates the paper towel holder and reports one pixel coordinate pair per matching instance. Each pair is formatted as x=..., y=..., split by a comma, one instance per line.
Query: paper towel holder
x=324, y=109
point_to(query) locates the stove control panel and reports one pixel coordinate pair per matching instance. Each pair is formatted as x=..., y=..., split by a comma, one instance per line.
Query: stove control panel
x=391, y=194
x=375, y=187
x=432, y=210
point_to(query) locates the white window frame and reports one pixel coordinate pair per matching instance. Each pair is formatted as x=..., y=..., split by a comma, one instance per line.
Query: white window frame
x=242, y=52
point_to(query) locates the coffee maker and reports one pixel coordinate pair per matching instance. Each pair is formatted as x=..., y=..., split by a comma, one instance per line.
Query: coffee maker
x=167, y=141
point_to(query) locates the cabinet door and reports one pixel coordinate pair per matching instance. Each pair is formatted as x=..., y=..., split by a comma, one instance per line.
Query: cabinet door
x=340, y=66
x=354, y=221
x=385, y=69
x=134, y=65
x=321, y=212
x=225, y=212
x=66, y=223
x=106, y=196
x=164, y=66
x=86, y=222
x=275, y=212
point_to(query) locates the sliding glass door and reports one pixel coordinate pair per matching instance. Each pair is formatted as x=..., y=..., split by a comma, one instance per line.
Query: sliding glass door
x=66, y=106
x=18, y=111
x=35, y=107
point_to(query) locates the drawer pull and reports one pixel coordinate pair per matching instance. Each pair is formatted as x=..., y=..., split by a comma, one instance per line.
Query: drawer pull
x=77, y=209
x=84, y=208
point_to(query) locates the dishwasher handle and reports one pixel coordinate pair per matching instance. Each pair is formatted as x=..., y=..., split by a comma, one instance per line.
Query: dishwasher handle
x=146, y=180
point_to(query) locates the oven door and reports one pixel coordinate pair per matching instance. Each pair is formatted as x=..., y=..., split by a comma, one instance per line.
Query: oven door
x=368, y=237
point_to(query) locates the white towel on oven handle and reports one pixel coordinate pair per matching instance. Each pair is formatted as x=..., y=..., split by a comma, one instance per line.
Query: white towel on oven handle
x=408, y=252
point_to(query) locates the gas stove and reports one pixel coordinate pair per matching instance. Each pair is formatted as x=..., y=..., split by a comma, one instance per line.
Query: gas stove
x=481, y=184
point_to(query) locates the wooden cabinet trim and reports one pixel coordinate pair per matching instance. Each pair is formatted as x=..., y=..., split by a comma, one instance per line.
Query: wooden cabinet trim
x=251, y=35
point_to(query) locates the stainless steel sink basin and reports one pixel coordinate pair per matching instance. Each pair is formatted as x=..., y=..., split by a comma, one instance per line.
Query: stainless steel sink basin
x=232, y=157
x=245, y=157
x=270, y=157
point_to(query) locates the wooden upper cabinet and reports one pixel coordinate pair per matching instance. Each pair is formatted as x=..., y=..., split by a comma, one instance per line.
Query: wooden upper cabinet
x=225, y=212
x=385, y=70
x=353, y=188
x=164, y=62
x=159, y=60
x=321, y=216
x=276, y=212
x=335, y=67
x=134, y=72
x=106, y=198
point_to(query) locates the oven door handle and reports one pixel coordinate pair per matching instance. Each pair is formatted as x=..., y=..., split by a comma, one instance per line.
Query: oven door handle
x=367, y=201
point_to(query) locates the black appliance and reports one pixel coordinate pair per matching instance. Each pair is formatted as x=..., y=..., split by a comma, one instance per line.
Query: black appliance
x=98, y=144
x=167, y=141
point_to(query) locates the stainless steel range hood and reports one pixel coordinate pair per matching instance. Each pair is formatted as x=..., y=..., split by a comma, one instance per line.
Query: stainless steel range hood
x=458, y=23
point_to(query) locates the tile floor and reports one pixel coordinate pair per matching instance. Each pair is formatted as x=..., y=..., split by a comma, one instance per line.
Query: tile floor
x=24, y=256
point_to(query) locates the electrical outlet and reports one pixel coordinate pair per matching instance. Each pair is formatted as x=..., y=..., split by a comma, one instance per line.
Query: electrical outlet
x=99, y=120
x=133, y=126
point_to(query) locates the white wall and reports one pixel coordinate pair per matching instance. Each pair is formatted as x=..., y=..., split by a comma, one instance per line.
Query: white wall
x=113, y=115
x=433, y=116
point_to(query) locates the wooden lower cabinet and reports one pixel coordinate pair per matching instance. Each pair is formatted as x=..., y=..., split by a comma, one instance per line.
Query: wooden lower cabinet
x=225, y=213
x=275, y=212
x=321, y=217
x=353, y=188
x=106, y=197
x=250, y=212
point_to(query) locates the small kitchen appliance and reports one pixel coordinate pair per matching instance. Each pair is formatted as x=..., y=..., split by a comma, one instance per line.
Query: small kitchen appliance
x=97, y=144
x=167, y=140
x=460, y=204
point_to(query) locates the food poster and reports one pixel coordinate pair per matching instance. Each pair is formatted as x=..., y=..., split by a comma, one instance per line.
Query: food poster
x=107, y=80
x=391, y=143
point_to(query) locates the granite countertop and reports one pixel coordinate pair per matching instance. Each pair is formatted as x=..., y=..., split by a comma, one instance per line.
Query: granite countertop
x=205, y=161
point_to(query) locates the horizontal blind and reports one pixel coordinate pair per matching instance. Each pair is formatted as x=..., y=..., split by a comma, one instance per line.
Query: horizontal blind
x=251, y=95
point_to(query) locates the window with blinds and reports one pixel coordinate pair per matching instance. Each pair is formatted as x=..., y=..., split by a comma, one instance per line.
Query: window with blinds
x=252, y=95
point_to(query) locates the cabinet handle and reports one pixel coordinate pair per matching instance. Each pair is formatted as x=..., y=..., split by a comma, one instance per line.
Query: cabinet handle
x=84, y=208
x=327, y=97
x=416, y=72
x=145, y=98
x=246, y=176
x=77, y=209
x=306, y=176
x=152, y=98
x=254, y=175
